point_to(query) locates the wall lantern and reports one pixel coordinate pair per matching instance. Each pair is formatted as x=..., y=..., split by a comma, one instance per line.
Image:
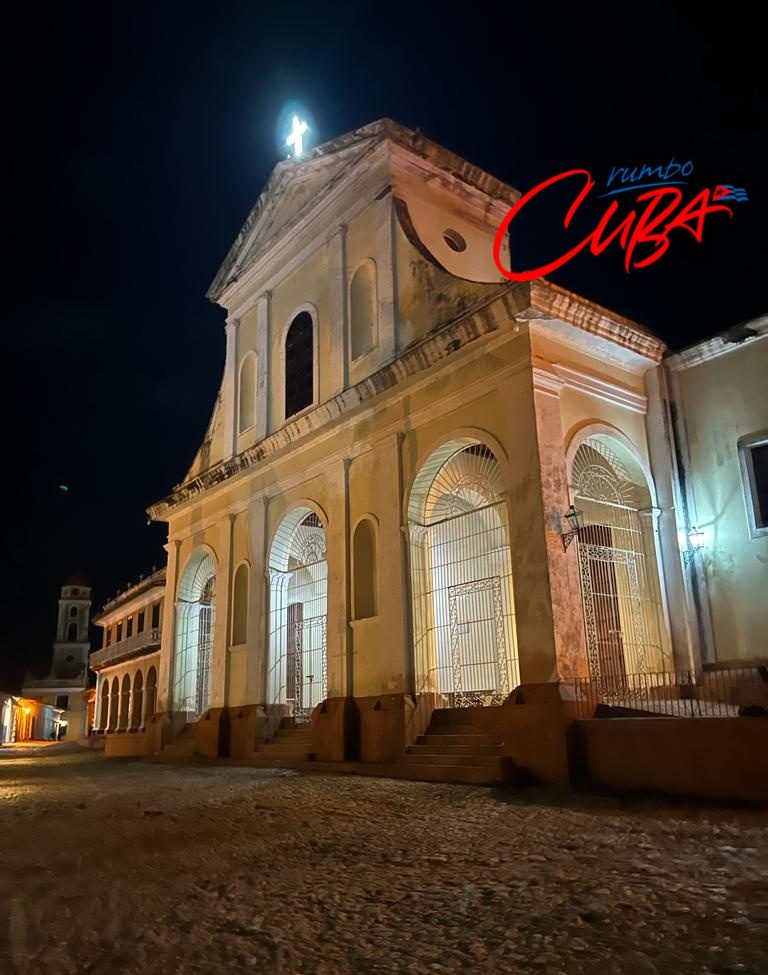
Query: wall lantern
x=575, y=519
x=695, y=544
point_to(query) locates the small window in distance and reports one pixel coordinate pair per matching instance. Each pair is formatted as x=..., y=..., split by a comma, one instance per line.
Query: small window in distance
x=75, y=592
x=140, y=622
x=364, y=554
x=362, y=309
x=73, y=611
x=240, y=606
x=129, y=627
x=155, y=615
x=62, y=701
x=299, y=365
x=753, y=456
x=247, y=400
x=72, y=632
x=107, y=636
x=119, y=636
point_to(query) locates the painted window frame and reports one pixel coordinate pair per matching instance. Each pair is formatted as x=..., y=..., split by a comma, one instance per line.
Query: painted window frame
x=746, y=464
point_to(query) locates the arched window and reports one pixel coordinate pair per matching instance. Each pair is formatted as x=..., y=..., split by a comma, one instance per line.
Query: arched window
x=72, y=632
x=240, y=606
x=299, y=364
x=73, y=611
x=364, y=556
x=362, y=309
x=247, y=402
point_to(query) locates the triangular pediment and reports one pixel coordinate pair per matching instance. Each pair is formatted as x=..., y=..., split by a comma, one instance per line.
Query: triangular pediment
x=292, y=189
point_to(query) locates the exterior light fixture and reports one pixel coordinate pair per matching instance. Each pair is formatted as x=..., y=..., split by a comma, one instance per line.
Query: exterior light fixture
x=695, y=538
x=575, y=519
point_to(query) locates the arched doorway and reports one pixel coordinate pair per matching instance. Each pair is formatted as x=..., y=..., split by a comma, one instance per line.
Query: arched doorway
x=104, y=713
x=151, y=695
x=194, y=636
x=620, y=583
x=298, y=607
x=137, y=700
x=114, y=703
x=461, y=578
x=125, y=700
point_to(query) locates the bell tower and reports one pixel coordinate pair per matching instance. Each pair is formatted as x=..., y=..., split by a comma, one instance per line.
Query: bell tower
x=70, y=650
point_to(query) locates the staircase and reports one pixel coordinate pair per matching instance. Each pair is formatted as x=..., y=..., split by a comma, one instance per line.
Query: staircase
x=291, y=744
x=184, y=744
x=456, y=750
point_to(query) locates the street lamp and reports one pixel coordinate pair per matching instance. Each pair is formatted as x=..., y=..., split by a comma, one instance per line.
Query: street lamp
x=695, y=538
x=575, y=519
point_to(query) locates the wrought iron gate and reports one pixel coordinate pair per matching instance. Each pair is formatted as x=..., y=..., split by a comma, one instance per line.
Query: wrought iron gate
x=479, y=657
x=202, y=697
x=310, y=661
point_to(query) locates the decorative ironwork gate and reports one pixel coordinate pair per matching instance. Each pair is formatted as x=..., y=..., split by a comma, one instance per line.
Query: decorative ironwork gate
x=310, y=676
x=479, y=666
x=620, y=587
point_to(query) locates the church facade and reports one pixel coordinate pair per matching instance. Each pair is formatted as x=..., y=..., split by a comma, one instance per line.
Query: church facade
x=401, y=451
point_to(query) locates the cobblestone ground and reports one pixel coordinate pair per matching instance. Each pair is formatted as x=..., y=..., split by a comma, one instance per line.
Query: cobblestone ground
x=124, y=867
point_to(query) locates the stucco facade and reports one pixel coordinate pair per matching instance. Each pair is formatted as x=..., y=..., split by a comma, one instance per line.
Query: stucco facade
x=410, y=513
x=719, y=397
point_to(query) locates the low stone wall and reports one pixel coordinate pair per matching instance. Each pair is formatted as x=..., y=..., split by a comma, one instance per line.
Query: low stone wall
x=127, y=744
x=715, y=758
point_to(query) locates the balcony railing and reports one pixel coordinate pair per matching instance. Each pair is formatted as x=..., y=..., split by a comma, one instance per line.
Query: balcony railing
x=132, y=646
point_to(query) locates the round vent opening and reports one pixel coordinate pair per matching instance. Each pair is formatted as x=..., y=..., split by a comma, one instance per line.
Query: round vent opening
x=454, y=240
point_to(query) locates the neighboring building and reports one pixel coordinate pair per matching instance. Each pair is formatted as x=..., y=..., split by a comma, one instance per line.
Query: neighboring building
x=126, y=665
x=25, y=719
x=718, y=391
x=376, y=515
x=66, y=687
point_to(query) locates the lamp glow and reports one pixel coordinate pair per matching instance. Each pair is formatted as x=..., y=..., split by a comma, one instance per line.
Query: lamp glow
x=296, y=138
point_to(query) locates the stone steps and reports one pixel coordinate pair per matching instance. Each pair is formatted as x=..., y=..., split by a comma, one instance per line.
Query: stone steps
x=441, y=749
x=479, y=761
x=444, y=739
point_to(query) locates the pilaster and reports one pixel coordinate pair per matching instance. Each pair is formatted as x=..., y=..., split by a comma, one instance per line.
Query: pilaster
x=385, y=279
x=263, y=326
x=218, y=697
x=168, y=633
x=338, y=365
x=229, y=388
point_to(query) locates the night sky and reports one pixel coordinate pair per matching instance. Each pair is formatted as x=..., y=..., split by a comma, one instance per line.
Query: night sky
x=138, y=136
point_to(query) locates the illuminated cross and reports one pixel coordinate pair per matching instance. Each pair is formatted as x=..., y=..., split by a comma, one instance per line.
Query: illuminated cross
x=296, y=138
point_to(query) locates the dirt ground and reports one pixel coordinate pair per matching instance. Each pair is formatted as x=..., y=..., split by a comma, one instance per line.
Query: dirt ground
x=127, y=867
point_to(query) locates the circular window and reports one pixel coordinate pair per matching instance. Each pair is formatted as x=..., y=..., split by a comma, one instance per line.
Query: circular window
x=69, y=658
x=454, y=240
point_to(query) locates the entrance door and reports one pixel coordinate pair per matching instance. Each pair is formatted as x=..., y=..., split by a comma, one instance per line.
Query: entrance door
x=479, y=667
x=293, y=661
x=605, y=638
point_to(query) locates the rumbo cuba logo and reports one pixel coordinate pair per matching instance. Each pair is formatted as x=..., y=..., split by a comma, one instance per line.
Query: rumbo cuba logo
x=641, y=230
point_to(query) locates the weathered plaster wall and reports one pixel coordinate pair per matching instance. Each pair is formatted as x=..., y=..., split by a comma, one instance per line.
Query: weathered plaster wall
x=722, y=400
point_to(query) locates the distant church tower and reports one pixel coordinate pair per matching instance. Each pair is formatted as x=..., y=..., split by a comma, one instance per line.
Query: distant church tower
x=70, y=651
x=66, y=687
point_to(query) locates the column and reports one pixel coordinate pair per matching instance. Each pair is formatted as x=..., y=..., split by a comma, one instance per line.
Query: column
x=222, y=614
x=258, y=609
x=277, y=637
x=229, y=389
x=168, y=634
x=263, y=325
x=394, y=563
x=385, y=279
x=338, y=363
x=548, y=614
